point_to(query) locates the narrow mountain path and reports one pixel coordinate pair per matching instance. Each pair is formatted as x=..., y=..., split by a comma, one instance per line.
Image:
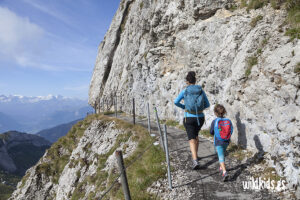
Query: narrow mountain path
x=205, y=183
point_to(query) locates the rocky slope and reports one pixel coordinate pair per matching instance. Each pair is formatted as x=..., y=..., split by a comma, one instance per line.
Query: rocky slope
x=20, y=151
x=82, y=164
x=242, y=59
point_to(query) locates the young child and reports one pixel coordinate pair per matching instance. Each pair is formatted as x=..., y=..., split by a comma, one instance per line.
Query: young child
x=222, y=130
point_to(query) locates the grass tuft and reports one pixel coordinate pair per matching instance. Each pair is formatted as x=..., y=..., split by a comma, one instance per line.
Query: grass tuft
x=172, y=123
x=255, y=20
x=251, y=61
x=238, y=152
x=293, y=33
x=141, y=5
x=297, y=68
x=206, y=133
x=256, y=4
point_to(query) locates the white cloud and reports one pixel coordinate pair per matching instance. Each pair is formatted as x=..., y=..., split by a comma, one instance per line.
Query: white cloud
x=49, y=11
x=18, y=37
x=28, y=45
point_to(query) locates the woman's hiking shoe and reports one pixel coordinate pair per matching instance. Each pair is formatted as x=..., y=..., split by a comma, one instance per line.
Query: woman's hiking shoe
x=224, y=176
x=221, y=171
x=195, y=165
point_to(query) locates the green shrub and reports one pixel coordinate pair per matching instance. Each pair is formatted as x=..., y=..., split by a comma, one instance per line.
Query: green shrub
x=293, y=19
x=259, y=51
x=255, y=20
x=293, y=33
x=141, y=5
x=251, y=61
x=244, y=3
x=265, y=41
x=256, y=4
x=275, y=4
x=233, y=7
x=290, y=4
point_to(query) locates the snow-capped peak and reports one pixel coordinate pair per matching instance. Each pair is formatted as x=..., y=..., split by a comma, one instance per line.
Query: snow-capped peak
x=32, y=99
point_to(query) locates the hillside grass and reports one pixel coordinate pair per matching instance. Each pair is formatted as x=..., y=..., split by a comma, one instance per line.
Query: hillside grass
x=143, y=170
x=59, y=153
x=141, y=174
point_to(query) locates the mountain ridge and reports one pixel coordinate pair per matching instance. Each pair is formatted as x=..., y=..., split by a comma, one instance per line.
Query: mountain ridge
x=54, y=133
x=19, y=151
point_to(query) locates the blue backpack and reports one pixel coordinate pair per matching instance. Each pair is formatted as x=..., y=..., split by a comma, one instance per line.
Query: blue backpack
x=194, y=99
x=223, y=129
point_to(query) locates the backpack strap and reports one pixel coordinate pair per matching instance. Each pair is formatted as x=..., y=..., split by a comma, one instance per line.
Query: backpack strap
x=216, y=129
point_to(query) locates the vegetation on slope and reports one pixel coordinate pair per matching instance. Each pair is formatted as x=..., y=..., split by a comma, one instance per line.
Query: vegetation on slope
x=292, y=7
x=141, y=174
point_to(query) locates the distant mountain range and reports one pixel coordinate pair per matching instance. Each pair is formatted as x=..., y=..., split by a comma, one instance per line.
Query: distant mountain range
x=32, y=114
x=8, y=123
x=19, y=151
x=53, y=134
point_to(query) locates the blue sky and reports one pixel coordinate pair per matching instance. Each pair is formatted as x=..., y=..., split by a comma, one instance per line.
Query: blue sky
x=50, y=46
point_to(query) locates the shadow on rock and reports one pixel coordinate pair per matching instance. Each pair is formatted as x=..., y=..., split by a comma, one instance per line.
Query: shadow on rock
x=241, y=129
x=256, y=159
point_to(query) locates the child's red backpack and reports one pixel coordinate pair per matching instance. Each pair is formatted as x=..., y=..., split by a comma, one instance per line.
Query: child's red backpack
x=223, y=129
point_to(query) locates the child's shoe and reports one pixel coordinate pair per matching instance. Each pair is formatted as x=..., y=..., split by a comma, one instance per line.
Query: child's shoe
x=224, y=176
x=220, y=170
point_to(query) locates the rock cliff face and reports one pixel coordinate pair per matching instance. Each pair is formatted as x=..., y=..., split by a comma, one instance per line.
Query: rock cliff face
x=242, y=60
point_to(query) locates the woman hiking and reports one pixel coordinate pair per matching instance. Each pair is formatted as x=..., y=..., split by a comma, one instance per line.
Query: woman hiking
x=195, y=101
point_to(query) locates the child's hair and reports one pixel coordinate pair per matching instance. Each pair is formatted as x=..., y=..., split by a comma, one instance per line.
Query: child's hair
x=191, y=77
x=219, y=110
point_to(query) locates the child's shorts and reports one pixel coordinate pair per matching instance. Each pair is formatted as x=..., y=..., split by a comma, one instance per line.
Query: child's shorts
x=221, y=152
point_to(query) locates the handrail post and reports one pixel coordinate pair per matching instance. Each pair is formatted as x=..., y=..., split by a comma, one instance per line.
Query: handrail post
x=133, y=110
x=122, y=169
x=116, y=107
x=148, y=114
x=159, y=129
x=167, y=157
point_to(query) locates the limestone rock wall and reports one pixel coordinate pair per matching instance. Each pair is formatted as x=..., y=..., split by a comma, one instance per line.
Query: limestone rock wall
x=152, y=44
